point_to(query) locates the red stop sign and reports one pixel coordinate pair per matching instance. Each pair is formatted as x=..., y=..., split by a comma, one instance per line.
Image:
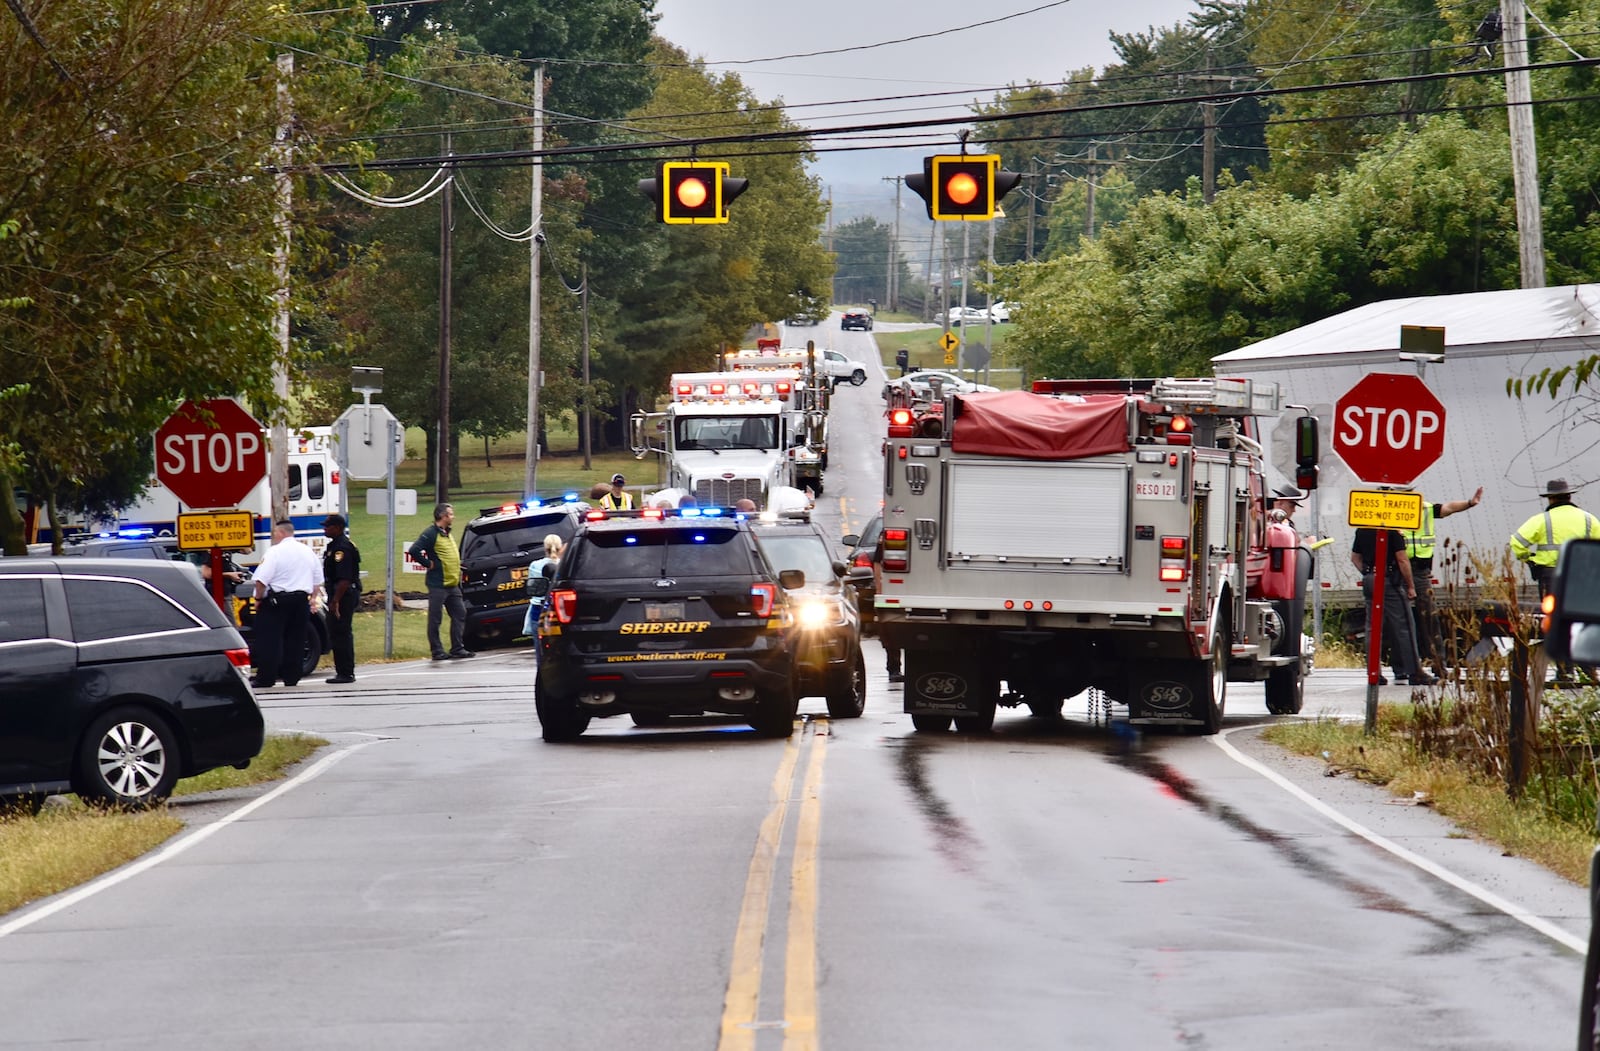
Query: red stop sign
x=1389, y=428
x=210, y=453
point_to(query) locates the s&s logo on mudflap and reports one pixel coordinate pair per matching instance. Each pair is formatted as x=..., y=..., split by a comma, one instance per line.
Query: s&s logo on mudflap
x=938, y=692
x=1164, y=697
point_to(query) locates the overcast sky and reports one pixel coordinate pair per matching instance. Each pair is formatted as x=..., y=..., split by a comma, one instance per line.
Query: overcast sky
x=1046, y=44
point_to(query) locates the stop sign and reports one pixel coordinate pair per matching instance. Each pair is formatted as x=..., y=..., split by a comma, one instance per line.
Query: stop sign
x=1389, y=428
x=210, y=453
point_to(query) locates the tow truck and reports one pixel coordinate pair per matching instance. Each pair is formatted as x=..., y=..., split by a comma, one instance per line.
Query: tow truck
x=1106, y=535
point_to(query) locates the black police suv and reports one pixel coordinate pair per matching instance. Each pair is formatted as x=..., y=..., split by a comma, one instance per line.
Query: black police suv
x=496, y=550
x=655, y=614
x=828, y=624
x=117, y=678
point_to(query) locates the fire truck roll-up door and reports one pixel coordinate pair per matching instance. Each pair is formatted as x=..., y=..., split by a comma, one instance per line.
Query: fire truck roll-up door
x=1036, y=515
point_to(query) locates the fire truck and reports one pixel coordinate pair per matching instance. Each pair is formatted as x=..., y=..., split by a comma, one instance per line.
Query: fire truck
x=725, y=436
x=1110, y=536
x=808, y=409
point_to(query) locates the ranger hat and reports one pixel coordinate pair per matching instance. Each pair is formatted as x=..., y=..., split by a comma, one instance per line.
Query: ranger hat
x=1288, y=492
x=337, y=520
x=1557, y=487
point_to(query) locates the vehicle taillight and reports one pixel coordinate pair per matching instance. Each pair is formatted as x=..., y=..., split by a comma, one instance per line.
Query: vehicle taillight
x=763, y=597
x=239, y=658
x=896, y=549
x=1180, y=431
x=902, y=424
x=862, y=559
x=1174, y=558
x=564, y=604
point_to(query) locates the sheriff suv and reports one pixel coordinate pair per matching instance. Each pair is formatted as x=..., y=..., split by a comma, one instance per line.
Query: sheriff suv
x=660, y=613
x=496, y=550
x=829, y=635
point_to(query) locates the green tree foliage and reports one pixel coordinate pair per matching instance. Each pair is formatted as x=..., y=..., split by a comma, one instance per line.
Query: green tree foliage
x=861, y=255
x=134, y=140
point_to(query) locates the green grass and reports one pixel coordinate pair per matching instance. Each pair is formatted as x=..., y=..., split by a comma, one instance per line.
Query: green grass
x=69, y=843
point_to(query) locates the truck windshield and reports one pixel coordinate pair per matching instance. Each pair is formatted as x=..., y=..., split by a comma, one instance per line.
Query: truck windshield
x=727, y=432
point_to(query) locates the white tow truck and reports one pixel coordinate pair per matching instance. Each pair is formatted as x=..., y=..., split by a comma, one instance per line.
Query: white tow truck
x=1088, y=535
x=727, y=436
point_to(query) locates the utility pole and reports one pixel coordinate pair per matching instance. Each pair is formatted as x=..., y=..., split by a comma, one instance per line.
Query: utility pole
x=927, y=298
x=1208, y=163
x=278, y=466
x=441, y=479
x=1033, y=201
x=1524, y=150
x=1094, y=176
x=530, y=469
x=892, y=290
x=586, y=395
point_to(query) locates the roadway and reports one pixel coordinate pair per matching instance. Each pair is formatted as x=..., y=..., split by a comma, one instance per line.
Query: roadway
x=440, y=875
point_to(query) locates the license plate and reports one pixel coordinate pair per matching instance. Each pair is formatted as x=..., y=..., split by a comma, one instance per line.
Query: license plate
x=663, y=611
x=1155, y=489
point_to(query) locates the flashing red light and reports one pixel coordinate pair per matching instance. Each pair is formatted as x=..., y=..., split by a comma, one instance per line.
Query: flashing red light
x=719, y=388
x=594, y=514
x=763, y=597
x=784, y=387
x=1180, y=431
x=901, y=418
x=651, y=512
x=685, y=388
x=692, y=192
x=335, y=477
x=752, y=389
x=564, y=603
x=961, y=188
x=507, y=509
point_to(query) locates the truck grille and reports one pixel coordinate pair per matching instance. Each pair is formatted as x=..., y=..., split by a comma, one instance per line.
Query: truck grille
x=725, y=492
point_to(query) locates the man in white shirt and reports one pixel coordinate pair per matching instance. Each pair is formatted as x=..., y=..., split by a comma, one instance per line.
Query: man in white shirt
x=284, y=582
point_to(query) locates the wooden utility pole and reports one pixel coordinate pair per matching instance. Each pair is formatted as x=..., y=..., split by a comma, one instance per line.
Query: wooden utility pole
x=1524, y=151
x=1094, y=179
x=278, y=464
x=441, y=479
x=587, y=422
x=530, y=468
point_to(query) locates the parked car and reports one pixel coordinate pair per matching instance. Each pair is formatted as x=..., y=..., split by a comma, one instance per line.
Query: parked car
x=859, y=574
x=496, y=550
x=118, y=677
x=960, y=315
x=841, y=369
x=921, y=384
x=856, y=318
x=1000, y=311
x=829, y=663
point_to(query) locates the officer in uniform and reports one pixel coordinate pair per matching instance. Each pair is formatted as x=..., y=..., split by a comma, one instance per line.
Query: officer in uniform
x=1419, y=549
x=1538, y=541
x=341, y=575
x=618, y=499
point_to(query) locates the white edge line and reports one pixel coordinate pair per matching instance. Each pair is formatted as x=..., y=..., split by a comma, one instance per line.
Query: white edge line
x=175, y=847
x=1461, y=883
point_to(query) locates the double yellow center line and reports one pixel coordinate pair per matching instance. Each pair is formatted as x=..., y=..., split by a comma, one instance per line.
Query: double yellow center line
x=741, y=1005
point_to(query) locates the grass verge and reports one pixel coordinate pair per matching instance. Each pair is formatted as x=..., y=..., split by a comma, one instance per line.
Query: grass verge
x=1479, y=806
x=67, y=845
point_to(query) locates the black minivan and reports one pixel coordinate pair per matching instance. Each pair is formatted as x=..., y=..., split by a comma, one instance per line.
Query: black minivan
x=117, y=678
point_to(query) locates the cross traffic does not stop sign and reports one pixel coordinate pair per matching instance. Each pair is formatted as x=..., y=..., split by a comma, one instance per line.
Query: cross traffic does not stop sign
x=1388, y=428
x=210, y=453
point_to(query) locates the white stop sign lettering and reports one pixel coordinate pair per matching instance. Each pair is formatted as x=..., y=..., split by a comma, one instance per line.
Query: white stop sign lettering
x=1375, y=426
x=214, y=453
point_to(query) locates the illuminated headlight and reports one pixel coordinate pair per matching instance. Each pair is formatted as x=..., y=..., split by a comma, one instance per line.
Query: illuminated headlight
x=820, y=613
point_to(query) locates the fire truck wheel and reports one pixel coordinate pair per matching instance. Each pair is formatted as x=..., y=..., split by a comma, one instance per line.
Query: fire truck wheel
x=1213, y=692
x=847, y=693
x=1285, y=690
x=931, y=724
x=559, y=717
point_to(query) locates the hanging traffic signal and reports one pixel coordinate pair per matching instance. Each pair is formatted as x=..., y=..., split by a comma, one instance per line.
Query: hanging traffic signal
x=692, y=191
x=962, y=186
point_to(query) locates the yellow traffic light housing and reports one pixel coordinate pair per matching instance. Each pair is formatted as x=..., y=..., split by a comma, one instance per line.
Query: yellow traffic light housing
x=962, y=186
x=687, y=192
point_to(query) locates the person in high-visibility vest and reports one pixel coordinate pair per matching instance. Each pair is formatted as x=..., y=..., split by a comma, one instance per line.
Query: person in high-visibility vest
x=1538, y=540
x=1419, y=549
x=618, y=499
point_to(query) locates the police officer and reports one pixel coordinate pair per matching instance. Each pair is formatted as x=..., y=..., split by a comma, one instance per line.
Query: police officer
x=341, y=575
x=1538, y=541
x=1419, y=549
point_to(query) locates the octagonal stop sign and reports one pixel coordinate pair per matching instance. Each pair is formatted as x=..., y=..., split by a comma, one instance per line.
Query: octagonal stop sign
x=210, y=453
x=1388, y=428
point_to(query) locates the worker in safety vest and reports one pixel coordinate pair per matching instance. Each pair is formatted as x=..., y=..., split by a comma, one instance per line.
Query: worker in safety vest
x=1538, y=541
x=618, y=499
x=1419, y=549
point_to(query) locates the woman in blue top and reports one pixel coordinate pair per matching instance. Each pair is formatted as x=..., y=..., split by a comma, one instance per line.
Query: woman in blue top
x=538, y=586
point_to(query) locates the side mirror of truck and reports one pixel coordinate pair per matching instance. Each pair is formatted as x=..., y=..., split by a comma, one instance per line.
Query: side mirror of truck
x=1307, y=449
x=1572, y=607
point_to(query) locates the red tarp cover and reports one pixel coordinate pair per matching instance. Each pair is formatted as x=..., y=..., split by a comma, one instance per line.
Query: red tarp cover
x=1035, y=427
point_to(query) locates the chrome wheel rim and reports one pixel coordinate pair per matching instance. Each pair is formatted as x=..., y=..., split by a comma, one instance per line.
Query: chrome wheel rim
x=132, y=759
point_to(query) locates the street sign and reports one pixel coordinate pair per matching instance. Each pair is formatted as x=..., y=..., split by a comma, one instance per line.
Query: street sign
x=1383, y=509
x=210, y=453
x=229, y=530
x=1388, y=428
x=361, y=448
x=949, y=341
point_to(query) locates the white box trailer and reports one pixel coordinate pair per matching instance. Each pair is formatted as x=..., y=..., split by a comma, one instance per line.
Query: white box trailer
x=1511, y=446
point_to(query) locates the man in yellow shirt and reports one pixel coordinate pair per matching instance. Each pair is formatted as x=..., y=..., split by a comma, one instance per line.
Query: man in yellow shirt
x=1538, y=540
x=435, y=550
